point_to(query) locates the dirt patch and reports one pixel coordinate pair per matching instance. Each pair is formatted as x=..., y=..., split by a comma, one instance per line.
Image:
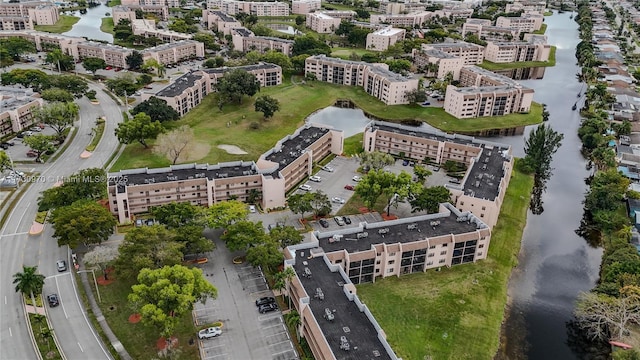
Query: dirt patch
x=163, y=342
x=232, y=149
x=110, y=277
x=194, y=151
x=364, y=210
x=135, y=318
x=386, y=217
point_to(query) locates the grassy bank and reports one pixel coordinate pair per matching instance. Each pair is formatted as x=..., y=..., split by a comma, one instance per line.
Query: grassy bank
x=107, y=25
x=232, y=125
x=353, y=144
x=344, y=53
x=521, y=64
x=113, y=3
x=44, y=337
x=65, y=24
x=542, y=30
x=455, y=313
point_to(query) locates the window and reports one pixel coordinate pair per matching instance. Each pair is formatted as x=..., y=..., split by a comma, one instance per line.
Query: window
x=445, y=245
x=442, y=261
x=431, y=254
x=461, y=202
x=443, y=252
x=378, y=262
x=484, y=208
x=389, y=271
x=392, y=254
x=480, y=246
x=480, y=253
x=391, y=262
x=430, y=263
x=432, y=247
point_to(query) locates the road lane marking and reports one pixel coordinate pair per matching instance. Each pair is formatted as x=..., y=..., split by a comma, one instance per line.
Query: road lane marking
x=60, y=299
x=55, y=276
x=80, y=346
x=10, y=333
x=22, y=217
x=15, y=234
x=5, y=300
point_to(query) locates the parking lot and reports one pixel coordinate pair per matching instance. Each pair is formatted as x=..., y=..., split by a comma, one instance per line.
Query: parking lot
x=18, y=151
x=246, y=334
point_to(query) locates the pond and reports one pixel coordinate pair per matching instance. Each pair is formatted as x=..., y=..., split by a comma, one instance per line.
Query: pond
x=89, y=24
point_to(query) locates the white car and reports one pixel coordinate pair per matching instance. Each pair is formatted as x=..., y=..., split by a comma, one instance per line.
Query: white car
x=327, y=168
x=252, y=208
x=315, y=178
x=305, y=187
x=356, y=178
x=209, y=333
x=338, y=200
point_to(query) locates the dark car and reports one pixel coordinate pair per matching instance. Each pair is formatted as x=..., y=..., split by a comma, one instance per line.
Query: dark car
x=53, y=300
x=267, y=308
x=150, y=222
x=265, y=300
x=346, y=220
x=4, y=146
x=324, y=223
x=348, y=187
x=405, y=162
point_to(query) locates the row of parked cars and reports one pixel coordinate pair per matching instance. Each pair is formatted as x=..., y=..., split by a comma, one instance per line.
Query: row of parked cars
x=340, y=220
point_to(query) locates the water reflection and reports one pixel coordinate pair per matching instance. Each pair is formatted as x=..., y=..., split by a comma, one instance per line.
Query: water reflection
x=530, y=73
x=286, y=29
x=89, y=24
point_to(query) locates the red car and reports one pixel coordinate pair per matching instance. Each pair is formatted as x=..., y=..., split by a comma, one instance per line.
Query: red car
x=348, y=187
x=108, y=68
x=32, y=153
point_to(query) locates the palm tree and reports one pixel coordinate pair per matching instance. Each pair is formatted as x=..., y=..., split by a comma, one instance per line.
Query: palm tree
x=282, y=279
x=293, y=320
x=29, y=282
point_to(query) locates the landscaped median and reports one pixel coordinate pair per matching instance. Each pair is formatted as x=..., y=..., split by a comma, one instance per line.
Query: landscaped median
x=455, y=313
x=97, y=132
x=521, y=64
x=38, y=224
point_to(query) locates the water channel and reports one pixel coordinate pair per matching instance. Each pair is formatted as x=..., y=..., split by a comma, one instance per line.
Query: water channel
x=89, y=24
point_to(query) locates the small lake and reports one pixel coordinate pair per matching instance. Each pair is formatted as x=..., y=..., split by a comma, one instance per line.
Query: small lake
x=89, y=24
x=286, y=29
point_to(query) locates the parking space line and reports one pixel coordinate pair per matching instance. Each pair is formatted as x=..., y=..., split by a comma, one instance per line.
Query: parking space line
x=216, y=356
x=214, y=347
x=282, y=342
x=283, y=352
x=276, y=334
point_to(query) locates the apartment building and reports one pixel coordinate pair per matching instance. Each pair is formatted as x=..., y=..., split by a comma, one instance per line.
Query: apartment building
x=167, y=3
x=322, y=23
x=305, y=6
x=505, y=52
x=219, y=21
x=136, y=191
x=525, y=23
x=444, y=63
x=175, y=52
x=489, y=165
x=188, y=90
x=16, y=113
x=128, y=12
x=499, y=100
x=42, y=40
x=15, y=23
x=496, y=33
x=401, y=19
x=380, y=40
x=394, y=8
x=40, y=12
x=454, y=13
x=376, y=80
x=244, y=40
x=470, y=53
x=333, y=320
x=474, y=26
x=113, y=55
x=147, y=28
x=527, y=6
x=258, y=8
x=341, y=14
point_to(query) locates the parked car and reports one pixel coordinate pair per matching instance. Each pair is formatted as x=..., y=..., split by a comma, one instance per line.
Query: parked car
x=315, y=178
x=252, y=208
x=4, y=146
x=327, y=168
x=305, y=187
x=339, y=221
x=32, y=153
x=209, y=333
x=35, y=129
x=265, y=300
x=53, y=300
x=405, y=162
x=10, y=143
x=356, y=178
x=139, y=222
x=324, y=223
x=61, y=265
x=267, y=308
x=348, y=187
x=338, y=200
x=347, y=220
x=150, y=222
x=108, y=68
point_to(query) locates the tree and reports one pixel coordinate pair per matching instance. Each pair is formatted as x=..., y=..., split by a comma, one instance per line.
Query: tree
x=278, y=58
x=169, y=293
x=416, y=96
x=399, y=66
x=285, y=236
x=320, y=203
x=58, y=115
x=39, y=143
x=545, y=113
x=134, y=60
x=5, y=58
x=265, y=254
x=193, y=240
x=429, y=199
x=85, y=184
x=123, y=84
x=267, y=105
x=244, y=234
x=176, y=214
x=29, y=282
x=83, y=222
x=150, y=247
x=153, y=64
x=101, y=256
x=237, y=83
x=602, y=315
x=225, y=213
x=62, y=61
x=300, y=20
x=181, y=26
x=157, y=109
x=282, y=279
x=421, y=173
x=300, y=203
x=93, y=64
x=308, y=44
x=208, y=40
x=71, y=83
x=372, y=186
x=138, y=129
x=56, y=94
x=215, y=62
x=539, y=148
x=173, y=144
x=376, y=160
x=397, y=189
x=29, y=78
x=5, y=161
x=15, y=47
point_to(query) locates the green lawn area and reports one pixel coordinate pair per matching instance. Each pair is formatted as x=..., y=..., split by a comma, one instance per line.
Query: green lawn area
x=44, y=339
x=548, y=13
x=542, y=30
x=139, y=339
x=107, y=25
x=521, y=64
x=113, y=3
x=343, y=52
x=353, y=145
x=296, y=102
x=455, y=313
x=65, y=24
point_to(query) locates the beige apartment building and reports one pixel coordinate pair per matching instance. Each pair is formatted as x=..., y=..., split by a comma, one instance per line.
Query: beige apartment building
x=489, y=164
x=175, y=52
x=113, y=55
x=470, y=53
x=380, y=40
x=394, y=8
x=322, y=23
x=219, y=21
x=474, y=26
x=128, y=12
x=496, y=33
x=16, y=113
x=136, y=191
x=40, y=12
x=403, y=20
x=445, y=63
x=15, y=23
x=341, y=14
x=189, y=89
x=258, y=8
x=43, y=40
x=527, y=6
x=505, y=52
x=375, y=79
x=454, y=13
x=167, y=3
x=305, y=6
x=244, y=40
x=147, y=28
x=524, y=23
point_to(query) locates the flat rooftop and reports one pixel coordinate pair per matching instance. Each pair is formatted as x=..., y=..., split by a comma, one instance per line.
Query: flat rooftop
x=388, y=31
x=276, y=39
x=439, y=54
x=243, y=32
x=13, y=98
x=181, y=84
x=322, y=15
x=454, y=45
x=293, y=147
x=348, y=321
x=169, y=46
x=105, y=46
x=224, y=16
x=491, y=75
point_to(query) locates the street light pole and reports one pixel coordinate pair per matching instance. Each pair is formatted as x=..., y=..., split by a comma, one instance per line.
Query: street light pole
x=95, y=282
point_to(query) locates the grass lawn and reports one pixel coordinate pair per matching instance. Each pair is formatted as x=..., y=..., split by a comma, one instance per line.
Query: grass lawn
x=353, y=145
x=343, y=52
x=139, y=339
x=65, y=24
x=107, y=25
x=521, y=64
x=113, y=3
x=47, y=347
x=296, y=102
x=548, y=13
x=542, y=30
x=455, y=313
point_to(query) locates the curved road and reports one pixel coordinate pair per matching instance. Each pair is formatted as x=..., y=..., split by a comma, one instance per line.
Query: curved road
x=77, y=337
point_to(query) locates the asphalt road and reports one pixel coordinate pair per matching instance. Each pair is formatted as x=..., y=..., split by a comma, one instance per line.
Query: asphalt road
x=77, y=338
